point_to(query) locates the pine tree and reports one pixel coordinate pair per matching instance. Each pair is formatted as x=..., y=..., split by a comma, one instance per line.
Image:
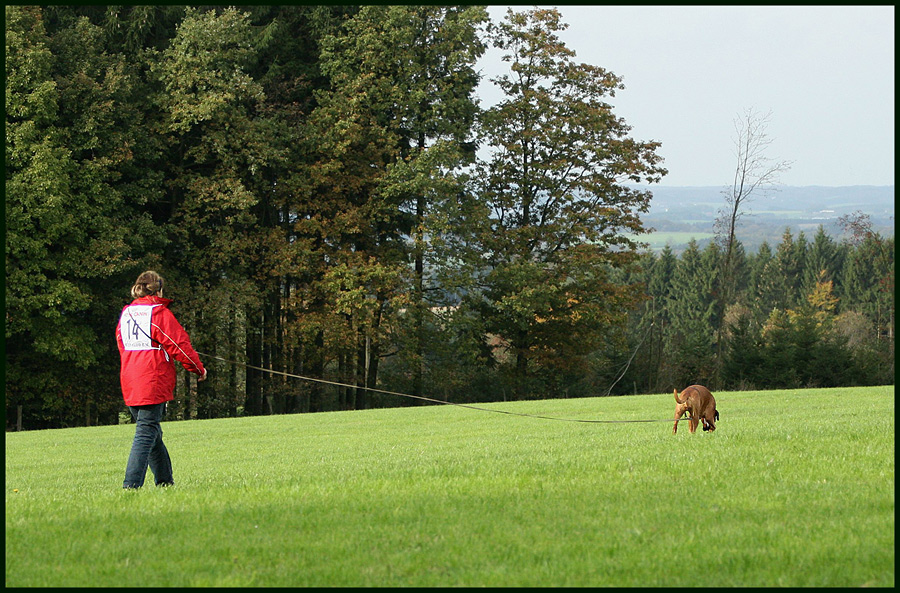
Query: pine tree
x=692, y=307
x=823, y=256
x=790, y=256
x=656, y=319
x=764, y=283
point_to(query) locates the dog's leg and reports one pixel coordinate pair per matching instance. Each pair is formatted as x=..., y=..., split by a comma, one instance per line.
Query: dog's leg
x=679, y=412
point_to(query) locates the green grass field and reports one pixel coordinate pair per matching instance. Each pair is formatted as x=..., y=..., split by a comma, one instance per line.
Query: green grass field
x=795, y=488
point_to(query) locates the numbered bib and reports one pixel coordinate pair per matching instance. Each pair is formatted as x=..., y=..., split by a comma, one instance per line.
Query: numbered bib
x=135, y=327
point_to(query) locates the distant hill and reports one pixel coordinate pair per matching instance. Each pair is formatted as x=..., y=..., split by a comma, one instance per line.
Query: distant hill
x=679, y=213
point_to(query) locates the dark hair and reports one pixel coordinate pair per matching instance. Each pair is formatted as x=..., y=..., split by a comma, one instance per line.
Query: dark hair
x=148, y=283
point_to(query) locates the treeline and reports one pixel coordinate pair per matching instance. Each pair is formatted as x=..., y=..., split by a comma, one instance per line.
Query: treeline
x=810, y=313
x=326, y=197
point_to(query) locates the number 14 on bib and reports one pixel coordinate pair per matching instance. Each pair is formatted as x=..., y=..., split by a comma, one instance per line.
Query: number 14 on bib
x=135, y=327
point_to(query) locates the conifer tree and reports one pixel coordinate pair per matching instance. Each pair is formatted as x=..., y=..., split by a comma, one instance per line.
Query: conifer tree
x=788, y=270
x=692, y=307
x=823, y=256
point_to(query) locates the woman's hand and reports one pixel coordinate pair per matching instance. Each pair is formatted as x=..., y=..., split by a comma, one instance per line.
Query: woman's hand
x=203, y=378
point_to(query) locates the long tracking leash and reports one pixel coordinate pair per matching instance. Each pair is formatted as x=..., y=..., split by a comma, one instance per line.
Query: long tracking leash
x=428, y=399
x=419, y=397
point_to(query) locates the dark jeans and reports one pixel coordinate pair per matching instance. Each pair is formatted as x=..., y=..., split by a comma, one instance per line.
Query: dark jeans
x=148, y=448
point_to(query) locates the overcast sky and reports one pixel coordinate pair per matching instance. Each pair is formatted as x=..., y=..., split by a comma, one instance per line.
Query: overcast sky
x=826, y=74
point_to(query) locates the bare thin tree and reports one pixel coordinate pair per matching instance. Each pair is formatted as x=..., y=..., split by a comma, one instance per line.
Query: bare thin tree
x=754, y=174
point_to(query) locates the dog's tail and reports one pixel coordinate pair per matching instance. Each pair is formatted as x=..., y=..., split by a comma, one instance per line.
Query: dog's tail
x=677, y=401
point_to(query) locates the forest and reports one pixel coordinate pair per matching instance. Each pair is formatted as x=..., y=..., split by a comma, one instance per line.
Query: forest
x=326, y=198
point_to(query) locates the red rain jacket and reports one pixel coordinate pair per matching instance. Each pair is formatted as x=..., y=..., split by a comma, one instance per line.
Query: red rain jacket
x=149, y=338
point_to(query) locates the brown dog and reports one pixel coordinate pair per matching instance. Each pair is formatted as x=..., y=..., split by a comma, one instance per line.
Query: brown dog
x=697, y=401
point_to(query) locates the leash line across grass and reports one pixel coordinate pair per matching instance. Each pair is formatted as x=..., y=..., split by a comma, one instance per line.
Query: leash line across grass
x=428, y=399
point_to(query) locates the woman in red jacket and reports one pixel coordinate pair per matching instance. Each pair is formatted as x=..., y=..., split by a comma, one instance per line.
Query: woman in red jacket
x=150, y=340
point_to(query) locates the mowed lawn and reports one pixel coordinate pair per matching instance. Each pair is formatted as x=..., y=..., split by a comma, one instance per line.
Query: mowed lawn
x=795, y=488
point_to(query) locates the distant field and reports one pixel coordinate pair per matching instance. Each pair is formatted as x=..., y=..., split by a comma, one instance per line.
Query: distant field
x=658, y=240
x=766, y=217
x=795, y=489
x=779, y=213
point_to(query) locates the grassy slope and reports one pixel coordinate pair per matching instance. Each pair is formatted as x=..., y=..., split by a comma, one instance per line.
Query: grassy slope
x=796, y=488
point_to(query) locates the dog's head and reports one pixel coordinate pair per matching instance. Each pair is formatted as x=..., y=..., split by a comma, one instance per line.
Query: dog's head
x=710, y=425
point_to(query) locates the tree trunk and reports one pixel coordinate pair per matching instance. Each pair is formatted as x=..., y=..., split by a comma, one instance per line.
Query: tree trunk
x=362, y=369
x=253, y=400
x=419, y=304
